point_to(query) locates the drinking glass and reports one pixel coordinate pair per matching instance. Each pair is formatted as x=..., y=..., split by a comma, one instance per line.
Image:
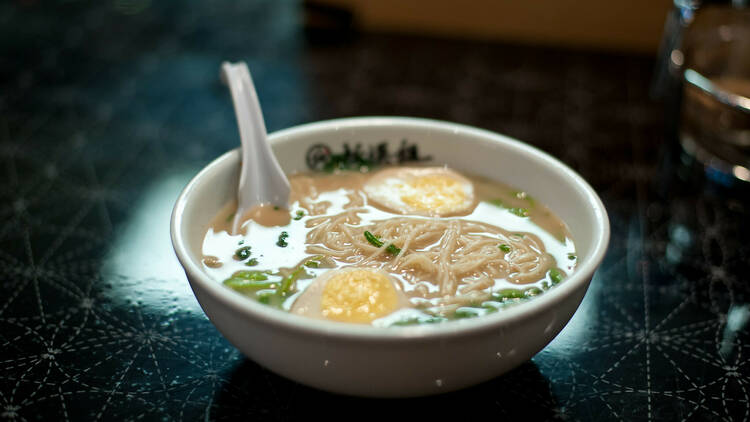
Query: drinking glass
x=714, y=125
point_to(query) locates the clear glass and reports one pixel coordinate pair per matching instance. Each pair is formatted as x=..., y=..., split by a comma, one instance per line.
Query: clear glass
x=715, y=116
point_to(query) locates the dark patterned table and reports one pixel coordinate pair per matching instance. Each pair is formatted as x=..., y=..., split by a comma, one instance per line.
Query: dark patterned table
x=108, y=108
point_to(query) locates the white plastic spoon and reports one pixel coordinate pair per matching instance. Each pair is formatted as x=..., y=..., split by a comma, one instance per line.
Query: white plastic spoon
x=261, y=179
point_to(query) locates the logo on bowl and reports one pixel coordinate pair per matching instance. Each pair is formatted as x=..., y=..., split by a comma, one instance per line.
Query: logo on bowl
x=321, y=157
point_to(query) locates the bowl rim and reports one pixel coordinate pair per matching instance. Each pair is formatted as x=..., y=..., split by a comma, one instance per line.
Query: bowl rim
x=283, y=320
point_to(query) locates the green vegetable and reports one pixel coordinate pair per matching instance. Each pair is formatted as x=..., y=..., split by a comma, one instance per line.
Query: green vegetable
x=230, y=217
x=287, y=281
x=374, y=241
x=392, y=249
x=571, y=256
x=265, y=296
x=252, y=262
x=507, y=294
x=318, y=261
x=242, y=253
x=490, y=306
x=503, y=247
x=282, y=240
x=244, y=283
x=275, y=207
x=521, y=212
x=497, y=203
x=556, y=275
x=534, y=291
x=419, y=320
x=299, y=215
x=467, y=312
x=251, y=275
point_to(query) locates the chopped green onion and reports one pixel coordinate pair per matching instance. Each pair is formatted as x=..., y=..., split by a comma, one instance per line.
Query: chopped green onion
x=318, y=261
x=252, y=262
x=230, y=217
x=392, y=249
x=378, y=243
x=373, y=240
x=275, y=207
x=534, y=291
x=264, y=298
x=287, y=281
x=242, y=253
x=490, y=306
x=521, y=212
x=419, y=320
x=251, y=275
x=507, y=294
x=282, y=240
x=244, y=283
x=503, y=247
x=556, y=275
x=466, y=312
x=571, y=256
x=299, y=215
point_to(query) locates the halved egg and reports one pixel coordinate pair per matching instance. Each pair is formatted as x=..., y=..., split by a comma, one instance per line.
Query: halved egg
x=430, y=191
x=358, y=295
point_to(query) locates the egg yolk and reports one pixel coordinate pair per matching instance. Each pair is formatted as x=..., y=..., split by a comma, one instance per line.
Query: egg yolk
x=436, y=193
x=358, y=296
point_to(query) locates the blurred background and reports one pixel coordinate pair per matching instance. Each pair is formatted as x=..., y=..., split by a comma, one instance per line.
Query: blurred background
x=634, y=26
x=108, y=108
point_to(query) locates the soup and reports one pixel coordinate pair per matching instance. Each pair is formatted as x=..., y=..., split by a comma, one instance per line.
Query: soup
x=398, y=246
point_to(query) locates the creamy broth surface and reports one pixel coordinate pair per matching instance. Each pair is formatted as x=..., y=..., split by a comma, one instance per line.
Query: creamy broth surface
x=490, y=246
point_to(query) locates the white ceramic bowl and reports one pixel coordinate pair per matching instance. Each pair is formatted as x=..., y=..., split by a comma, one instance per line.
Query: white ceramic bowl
x=397, y=361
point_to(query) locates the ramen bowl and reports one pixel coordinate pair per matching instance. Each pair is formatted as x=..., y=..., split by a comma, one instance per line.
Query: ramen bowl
x=407, y=361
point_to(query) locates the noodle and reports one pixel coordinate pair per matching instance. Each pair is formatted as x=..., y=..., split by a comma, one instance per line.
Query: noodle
x=462, y=256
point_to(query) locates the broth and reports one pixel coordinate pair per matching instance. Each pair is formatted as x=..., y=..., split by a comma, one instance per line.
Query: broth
x=452, y=246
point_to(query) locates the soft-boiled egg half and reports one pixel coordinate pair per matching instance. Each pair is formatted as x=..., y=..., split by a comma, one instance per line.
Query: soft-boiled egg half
x=358, y=295
x=430, y=191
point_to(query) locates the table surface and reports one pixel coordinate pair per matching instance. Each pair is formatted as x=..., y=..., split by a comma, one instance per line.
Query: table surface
x=107, y=109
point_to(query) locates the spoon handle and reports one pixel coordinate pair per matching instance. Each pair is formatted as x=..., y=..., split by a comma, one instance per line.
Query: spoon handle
x=262, y=180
